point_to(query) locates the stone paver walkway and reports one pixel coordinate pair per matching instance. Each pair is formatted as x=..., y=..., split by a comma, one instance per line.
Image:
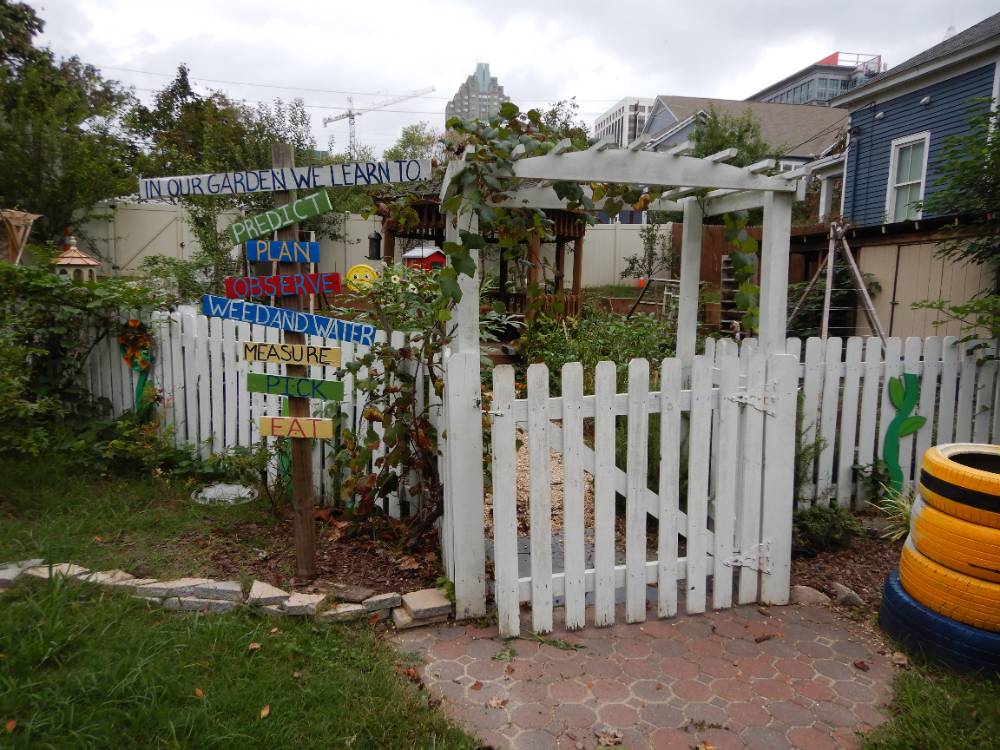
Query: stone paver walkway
x=783, y=677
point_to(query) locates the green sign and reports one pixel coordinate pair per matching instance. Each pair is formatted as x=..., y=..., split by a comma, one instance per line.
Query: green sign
x=280, y=385
x=283, y=216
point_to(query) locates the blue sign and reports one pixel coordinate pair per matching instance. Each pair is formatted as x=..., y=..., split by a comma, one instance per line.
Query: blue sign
x=288, y=320
x=282, y=251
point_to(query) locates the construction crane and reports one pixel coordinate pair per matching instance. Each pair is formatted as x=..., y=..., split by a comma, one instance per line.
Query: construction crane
x=352, y=113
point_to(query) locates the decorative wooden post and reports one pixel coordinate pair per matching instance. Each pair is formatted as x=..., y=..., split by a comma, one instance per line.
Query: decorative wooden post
x=774, y=251
x=577, y=264
x=303, y=500
x=560, y=265
x=534, y=258
x=464, y=444
x=687, y=308
x=388, y=244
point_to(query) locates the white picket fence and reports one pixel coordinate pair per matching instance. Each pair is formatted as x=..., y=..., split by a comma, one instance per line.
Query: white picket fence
x=737, y=537
x=198, y=368
x=845, y=403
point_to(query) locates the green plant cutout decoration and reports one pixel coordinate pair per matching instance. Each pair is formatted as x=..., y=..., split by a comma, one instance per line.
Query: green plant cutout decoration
x=903, y=394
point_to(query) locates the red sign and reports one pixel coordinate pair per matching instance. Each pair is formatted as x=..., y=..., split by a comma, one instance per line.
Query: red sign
x=292, y=285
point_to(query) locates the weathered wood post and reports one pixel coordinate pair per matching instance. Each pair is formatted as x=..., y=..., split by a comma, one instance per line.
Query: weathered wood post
x=774, y=251
x=303, y=500
x=463, y=444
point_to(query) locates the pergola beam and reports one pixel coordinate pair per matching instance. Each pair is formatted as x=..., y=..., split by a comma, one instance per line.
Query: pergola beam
x=644, y=168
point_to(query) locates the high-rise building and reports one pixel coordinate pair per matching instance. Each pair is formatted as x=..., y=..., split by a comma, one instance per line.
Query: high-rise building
x=479, y=97
x=832, y=76
x=624, y=121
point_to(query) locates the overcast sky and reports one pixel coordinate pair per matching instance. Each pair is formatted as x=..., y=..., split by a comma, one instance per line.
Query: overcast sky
x=595, y=50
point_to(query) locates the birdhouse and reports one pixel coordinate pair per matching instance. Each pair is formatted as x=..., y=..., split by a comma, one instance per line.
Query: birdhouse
x=75, y=263
x=425, y=258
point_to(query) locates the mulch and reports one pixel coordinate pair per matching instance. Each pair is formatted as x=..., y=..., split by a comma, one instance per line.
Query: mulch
x=862, y=567
x=266, y=551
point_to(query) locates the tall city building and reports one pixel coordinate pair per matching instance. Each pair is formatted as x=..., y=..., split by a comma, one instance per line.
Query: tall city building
x=479, y=97
x=624, y=121
x=832, y=76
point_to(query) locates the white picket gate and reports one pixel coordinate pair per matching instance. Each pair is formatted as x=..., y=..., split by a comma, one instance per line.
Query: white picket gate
x=199, y=370
x=734, y=543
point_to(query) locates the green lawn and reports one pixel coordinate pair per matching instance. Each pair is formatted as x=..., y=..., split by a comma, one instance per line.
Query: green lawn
x=145, y=526
x=935, y=709
x=82, y=668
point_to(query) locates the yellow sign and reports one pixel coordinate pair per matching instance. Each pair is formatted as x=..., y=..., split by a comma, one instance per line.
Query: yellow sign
x=296, y=427
x=291, y=354
x=360, y=277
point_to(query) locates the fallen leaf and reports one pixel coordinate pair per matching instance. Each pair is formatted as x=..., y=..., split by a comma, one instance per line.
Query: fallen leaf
x=899, y=659
x=373, y=618
x=199, y=693
x=98, y=539
x=253, y=646
x=477, y=685
x=408, y=562
x=608, y=737
x=704, y=746
x=766, y=637
x=497, y=702
x=266, y=711
x=272, y=631
x=659, y=686
x=296, y=675
x=862, y=665
x=10, y=726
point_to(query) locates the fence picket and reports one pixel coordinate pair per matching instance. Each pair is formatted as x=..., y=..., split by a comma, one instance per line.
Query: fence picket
x=505, y=565
x=669, y=487
x=893, y=368
x=540, y=501
x=911, y=364
x=812, y=384
x=751, y=468
x=604, y=494
x=204, y=386
x=779, y=477
x=635, y=500
x=793, y=346
x=828, y=418
x=727, y=459
x=984, y=397
x=869, y=405
x=244, y=420
x=699, y=446
x=230, y=381
x=573, y=521
x=216, y=386
x=849, y=422
x=928, y=399
x=966, y=395
x=950, y=365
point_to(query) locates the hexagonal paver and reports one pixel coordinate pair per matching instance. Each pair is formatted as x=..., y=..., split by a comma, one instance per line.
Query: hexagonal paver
x=767, y=679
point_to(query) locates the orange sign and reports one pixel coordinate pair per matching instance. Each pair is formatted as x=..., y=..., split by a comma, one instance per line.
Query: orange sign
x=296, y=427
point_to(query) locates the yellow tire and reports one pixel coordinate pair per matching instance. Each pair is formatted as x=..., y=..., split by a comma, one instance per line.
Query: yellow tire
x=956, y=544
x=963, y=480
x=955, y=595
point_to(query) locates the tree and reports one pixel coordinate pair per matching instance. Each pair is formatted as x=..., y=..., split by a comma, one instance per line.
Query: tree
x=60, y=131
x=718, y=131
x=416, y=141
x=184, y=132
x=657, y=254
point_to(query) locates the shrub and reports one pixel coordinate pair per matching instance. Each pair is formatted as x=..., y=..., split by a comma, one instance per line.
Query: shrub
x=823, y=528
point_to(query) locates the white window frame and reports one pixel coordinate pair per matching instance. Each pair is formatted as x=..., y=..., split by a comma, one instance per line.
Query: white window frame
x=890, y=188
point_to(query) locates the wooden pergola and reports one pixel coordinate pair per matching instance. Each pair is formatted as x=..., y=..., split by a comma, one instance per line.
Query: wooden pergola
x=685, y=180
x=568, y=227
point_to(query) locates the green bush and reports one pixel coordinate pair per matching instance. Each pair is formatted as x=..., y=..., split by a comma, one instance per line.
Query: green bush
x=823, y=528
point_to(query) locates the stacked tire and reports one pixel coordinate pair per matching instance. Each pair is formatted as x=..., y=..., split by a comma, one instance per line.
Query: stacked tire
x=945, y=597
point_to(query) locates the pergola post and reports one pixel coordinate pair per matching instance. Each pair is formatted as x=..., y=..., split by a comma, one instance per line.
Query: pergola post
x=560, y=265
x=462, y=439
x=577, y=264
x=774, y=251
x=534, y=257
x=388, y=246
x=825, y=199
x=687, y=308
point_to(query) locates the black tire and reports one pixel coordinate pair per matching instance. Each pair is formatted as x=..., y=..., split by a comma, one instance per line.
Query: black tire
x=962, y=647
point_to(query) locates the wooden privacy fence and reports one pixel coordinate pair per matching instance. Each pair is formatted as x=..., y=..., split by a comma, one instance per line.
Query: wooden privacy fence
x=199, y=369
x=736, y=540
x=845, y=403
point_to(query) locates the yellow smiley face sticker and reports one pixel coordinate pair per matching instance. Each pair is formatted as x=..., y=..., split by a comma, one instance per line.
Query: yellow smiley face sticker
x=361, y=277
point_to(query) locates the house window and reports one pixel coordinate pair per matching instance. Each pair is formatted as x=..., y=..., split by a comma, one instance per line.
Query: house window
x=907, y=175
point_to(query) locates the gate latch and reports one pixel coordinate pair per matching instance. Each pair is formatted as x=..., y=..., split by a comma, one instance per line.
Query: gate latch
x=758, y=558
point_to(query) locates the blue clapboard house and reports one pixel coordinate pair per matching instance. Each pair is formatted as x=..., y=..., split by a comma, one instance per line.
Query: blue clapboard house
x=899, y=123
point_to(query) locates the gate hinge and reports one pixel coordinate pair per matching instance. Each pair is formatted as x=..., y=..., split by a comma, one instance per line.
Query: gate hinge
x=758, y=558
x=759, y=401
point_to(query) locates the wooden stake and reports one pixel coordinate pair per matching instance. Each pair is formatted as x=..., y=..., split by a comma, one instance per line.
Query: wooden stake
x=303, y=501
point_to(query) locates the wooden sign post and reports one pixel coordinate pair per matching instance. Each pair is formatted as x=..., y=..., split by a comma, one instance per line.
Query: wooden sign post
x=304, y=525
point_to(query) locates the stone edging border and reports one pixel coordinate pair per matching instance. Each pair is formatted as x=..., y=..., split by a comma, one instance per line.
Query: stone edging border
x=414, y=609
